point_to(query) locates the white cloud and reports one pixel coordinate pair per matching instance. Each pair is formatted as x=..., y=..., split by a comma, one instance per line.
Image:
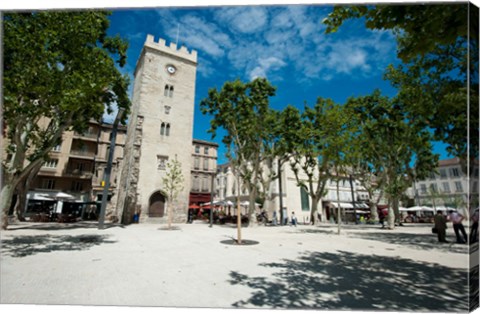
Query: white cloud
x=261, y=41
x=245, y=19
x=205, y=67
x=265, y=65
x=195, y=32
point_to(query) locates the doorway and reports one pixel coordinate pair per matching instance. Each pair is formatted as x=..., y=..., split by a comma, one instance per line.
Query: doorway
x=156, y=205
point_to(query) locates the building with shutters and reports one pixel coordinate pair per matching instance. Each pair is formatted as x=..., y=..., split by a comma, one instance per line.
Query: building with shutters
x=76, y=167
x=204, y=169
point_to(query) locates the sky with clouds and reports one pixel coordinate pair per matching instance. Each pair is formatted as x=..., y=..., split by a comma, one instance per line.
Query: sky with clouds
x=286, y=44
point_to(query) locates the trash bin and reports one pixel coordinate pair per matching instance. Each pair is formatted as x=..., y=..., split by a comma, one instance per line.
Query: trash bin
x=135, y=218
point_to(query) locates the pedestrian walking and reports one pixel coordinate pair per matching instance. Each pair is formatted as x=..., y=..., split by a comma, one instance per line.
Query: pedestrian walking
x=474, y=228
x=294, y=219
x=285, y=216
x=440, y=227
x=274, y=219
x=456, y=218
x=381, y=217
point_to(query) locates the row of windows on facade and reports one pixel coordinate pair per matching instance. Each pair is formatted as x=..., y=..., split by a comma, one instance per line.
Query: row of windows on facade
x=75, y=167
x=197, y=150
x=49, y=184
x=201, y=183
x=453, y=172
x=433, y=187
x=81, y=150
x=196, y=164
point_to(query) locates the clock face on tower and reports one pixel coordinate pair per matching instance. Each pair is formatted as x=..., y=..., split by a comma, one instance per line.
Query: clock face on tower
x=171, y=69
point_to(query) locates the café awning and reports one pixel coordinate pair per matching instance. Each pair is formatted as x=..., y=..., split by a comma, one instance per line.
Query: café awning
x=342, y=205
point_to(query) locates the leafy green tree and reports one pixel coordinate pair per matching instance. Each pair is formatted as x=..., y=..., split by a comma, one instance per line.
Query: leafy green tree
x=441, y=60
x=336, y=144
x=311, y=140
x=241, y=110
x=439, y=77
x=60, y=71
x=420, y=27
x=173, y=183
x=271, y=156
x=396, y=149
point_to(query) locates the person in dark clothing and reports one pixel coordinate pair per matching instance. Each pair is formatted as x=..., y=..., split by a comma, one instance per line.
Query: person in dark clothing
x=441, y=226
x=381, y=217
x=474, y=228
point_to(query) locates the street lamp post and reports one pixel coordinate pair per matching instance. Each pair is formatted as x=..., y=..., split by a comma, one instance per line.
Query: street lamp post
x=211, y=201
x=353, y=200
x=108, y=169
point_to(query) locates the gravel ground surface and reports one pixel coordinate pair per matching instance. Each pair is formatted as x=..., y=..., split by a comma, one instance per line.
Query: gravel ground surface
x=306, y=267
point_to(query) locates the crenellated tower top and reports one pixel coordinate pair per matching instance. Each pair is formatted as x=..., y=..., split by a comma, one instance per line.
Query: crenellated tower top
x=171, y=49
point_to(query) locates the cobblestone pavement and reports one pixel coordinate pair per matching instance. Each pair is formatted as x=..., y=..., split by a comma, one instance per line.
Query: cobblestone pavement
x=304, y=267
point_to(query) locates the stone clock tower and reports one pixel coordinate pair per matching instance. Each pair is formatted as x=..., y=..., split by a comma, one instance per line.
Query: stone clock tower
x=160, y=128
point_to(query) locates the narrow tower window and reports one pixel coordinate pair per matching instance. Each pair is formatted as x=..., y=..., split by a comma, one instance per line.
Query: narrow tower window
x=165, y=93
x=167, y=132
x=171, y=92
x=162, y=129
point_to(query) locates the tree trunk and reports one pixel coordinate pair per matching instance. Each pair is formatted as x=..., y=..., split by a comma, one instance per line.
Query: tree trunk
x=21, y=202
x=22, y=190
x=374, y=212
x=6, y=199
x=251, y=208
x=239, y=221
x=396, y=212
x=390, y=216
x=280, y=191
x=170, y=211
x=314, y=211
x=339, y=210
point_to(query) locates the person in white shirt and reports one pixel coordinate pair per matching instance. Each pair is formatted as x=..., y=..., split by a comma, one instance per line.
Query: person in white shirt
x=457, y=219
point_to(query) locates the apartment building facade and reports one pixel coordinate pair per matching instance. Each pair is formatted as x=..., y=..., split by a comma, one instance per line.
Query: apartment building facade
x=295, y=198
x=204, y=168
x=449, y=185
x=76, y=167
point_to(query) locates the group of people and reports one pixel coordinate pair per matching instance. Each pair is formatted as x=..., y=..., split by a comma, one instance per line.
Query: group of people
x=293, y=218
x=456, y=218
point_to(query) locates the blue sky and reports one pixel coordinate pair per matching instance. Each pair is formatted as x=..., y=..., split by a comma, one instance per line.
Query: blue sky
x=285, y=44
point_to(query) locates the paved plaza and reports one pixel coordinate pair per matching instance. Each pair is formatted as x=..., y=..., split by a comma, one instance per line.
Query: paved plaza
x=304, y=267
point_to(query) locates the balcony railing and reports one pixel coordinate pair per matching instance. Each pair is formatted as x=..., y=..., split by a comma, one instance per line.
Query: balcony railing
x=82, y=153
x=87, y=135
x=79, y=173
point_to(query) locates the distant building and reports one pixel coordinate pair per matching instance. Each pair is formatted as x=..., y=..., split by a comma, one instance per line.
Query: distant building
x=294, y=197
x=76, y=166
x=204, y=162
x=448, y=186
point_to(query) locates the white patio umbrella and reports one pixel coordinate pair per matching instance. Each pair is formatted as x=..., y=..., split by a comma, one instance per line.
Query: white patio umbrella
x=247, y=203
x=419, y=208
x=42, y=198
x=63, y=195
x=444, y=208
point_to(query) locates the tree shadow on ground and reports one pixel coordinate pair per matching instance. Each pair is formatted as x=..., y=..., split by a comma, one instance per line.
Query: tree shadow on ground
x=21, y=246
x=413, y=240
x=350, y=281
x=52, y=226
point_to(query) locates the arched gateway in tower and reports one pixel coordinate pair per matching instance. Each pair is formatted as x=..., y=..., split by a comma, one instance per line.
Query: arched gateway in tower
x=160, y=128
